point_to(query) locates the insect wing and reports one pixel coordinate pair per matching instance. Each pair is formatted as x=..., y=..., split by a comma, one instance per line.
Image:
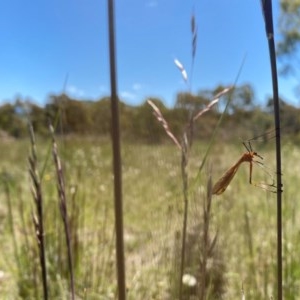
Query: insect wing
x=221, y=185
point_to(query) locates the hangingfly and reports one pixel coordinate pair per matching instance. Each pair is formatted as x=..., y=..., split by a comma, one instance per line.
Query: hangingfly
x=221, y=185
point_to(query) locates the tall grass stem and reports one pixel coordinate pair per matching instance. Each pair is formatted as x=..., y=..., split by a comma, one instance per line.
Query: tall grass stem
x=184, y=175
x=117, y=169
x=267, y=12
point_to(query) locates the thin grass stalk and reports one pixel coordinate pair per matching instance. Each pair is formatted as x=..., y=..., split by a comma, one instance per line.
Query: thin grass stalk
x=63, y=209
x=38, y=219
x=184, y=175
x=186, y=144
x=117, y=169
x=267, y=12
x=208, y=244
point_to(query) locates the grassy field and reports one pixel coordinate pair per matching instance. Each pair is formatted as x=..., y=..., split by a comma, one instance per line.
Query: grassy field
x=244, y=219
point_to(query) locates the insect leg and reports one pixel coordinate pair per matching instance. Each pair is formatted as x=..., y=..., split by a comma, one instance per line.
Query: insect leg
x=250, y=175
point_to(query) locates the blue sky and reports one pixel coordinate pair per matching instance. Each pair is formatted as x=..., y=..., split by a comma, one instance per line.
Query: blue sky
x=42, y=42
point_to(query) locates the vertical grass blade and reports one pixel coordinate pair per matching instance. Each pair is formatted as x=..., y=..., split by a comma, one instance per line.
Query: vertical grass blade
x=116, y=157
x=38, y=220
x=267, y=12
x=184, y=175
x=63, y=208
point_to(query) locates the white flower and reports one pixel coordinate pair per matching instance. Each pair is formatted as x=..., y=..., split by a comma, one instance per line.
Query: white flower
x=189, y=280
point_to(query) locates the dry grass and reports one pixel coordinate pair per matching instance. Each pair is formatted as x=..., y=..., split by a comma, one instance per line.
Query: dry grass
x=243, y=217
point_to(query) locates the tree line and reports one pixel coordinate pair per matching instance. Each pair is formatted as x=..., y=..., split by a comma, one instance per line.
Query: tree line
x=243, y=117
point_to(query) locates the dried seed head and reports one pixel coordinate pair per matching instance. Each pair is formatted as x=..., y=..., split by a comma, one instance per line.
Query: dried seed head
x=179, y=65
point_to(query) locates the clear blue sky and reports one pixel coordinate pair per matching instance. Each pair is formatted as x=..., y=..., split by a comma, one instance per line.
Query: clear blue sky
x=43, y=41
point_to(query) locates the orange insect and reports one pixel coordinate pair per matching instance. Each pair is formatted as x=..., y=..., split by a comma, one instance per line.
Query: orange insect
x=224, y=181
